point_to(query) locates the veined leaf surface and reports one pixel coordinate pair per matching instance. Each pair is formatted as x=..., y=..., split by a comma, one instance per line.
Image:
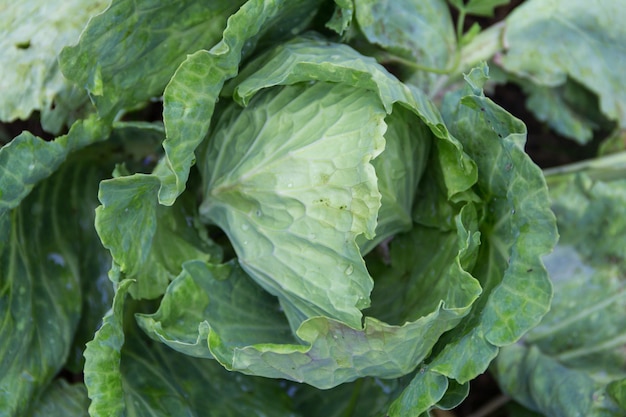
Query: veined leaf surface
x=46, y=261
x=247, y=331
x=127, y=54
x=549, y=41
x=517, y=228
x=292, y=185
x=579, y=346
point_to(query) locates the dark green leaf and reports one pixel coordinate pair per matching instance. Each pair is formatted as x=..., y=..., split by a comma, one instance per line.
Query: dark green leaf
x=159, y=382
x=62, y=399
x=367, y=397
x=49, y=255
x=27, y=159
x=478, y=7
x=127, y=54
x=102, y=360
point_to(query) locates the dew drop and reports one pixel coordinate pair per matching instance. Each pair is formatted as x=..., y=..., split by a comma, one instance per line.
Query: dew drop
x=259, y=213
x=31, y=167
x=349, y=270
x=290, y=185
x=245, y=227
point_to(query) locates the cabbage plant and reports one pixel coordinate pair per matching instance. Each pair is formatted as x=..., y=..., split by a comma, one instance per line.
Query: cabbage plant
x=326, y=215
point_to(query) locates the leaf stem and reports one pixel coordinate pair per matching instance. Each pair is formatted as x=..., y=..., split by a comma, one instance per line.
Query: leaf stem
x=460, y=21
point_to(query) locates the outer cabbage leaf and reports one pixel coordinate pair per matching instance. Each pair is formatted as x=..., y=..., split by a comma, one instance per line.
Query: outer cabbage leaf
x=569, y=108
x=542, y=383
x=421, y=31
x=579, y=346
x=571, y=39
x=33, y=33
x=27, y=159
x=102, y=360
x=517, y=228
x=248, y=333
x=160, y=382
x=564, y=108
x=291, y=184
x=366, y=397
x=47, y=260
x=127, y=375
x=86, y=169
x=428, y=389
x=418, y=31
x=127, y=54
x=62, y=399
x=169, y=235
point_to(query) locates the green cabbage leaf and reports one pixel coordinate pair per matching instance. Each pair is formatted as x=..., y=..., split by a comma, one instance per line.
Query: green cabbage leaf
x=574, y=361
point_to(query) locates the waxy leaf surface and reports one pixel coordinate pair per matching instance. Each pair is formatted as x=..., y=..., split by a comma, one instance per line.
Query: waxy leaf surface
x=574, y=361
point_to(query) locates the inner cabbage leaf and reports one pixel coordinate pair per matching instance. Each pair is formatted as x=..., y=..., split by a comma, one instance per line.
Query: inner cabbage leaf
x=289, y=180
